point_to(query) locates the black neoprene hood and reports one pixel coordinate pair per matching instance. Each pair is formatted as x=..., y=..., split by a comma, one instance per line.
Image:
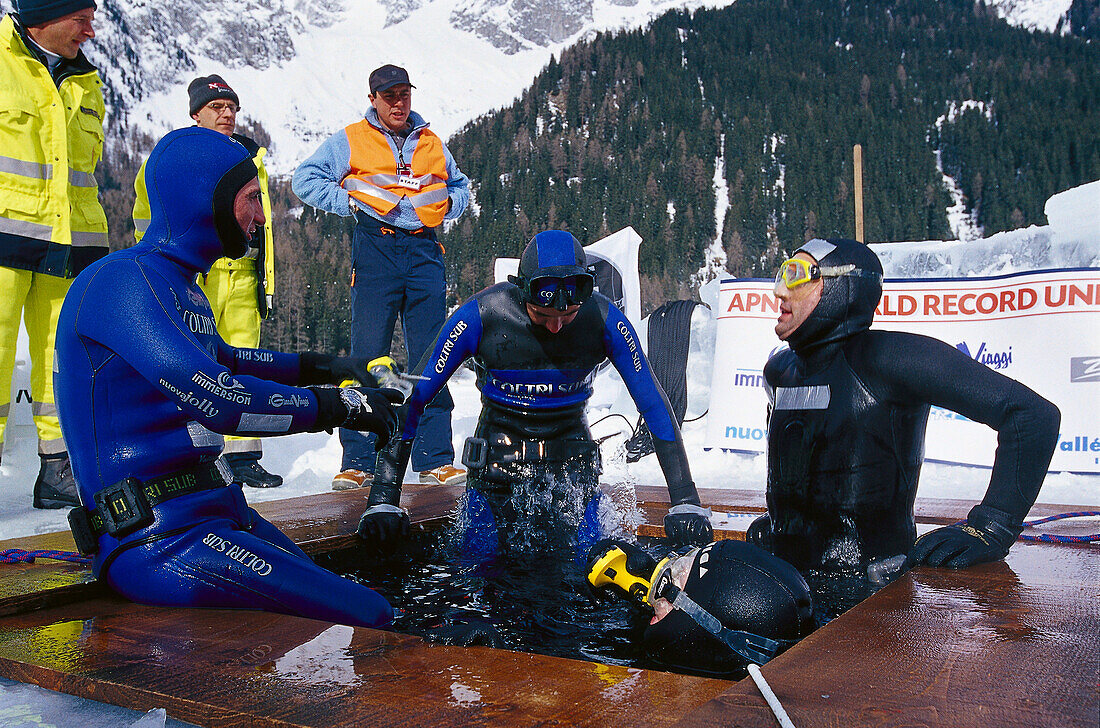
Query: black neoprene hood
x=234, y=239
x=745, y=588
x=552, y=253
x=848, y=301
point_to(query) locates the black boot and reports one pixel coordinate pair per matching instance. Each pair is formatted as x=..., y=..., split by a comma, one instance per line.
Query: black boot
x=248, y=471
x=56, y=486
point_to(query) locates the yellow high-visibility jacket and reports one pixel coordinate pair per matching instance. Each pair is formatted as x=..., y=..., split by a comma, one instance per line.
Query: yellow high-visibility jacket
x=51, y=139
x=265, y=261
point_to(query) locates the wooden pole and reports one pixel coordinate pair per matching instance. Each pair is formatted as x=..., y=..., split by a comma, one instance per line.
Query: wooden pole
x=857, y=169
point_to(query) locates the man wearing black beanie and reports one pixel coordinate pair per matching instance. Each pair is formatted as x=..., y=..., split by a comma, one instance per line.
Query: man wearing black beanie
x=239, y=290
x=51, y=223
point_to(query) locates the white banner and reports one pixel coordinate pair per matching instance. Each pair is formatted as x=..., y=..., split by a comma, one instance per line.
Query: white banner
x=1040, y=328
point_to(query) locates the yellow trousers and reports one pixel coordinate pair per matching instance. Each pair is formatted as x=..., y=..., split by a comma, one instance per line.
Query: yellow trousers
x=231, y=289
x=38, y=298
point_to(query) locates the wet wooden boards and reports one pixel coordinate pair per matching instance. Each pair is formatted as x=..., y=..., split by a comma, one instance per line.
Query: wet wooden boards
x=1014, y=643
x=1006, y=644
x=226, y=668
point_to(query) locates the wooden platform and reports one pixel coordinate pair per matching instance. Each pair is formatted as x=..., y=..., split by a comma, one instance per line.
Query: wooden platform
x=1007, y=644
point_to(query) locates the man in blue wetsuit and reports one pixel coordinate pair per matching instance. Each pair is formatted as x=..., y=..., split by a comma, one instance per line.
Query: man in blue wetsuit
x=145, y=385
x=849, y=407
x=536, y=342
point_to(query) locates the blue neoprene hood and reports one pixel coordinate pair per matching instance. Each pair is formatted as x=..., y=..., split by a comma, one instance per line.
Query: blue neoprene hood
x=192, y=177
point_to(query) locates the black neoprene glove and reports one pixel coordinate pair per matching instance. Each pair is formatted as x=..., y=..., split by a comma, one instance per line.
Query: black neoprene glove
x=358, y=408
x=466, y=633
x=689, y=524
x=986, y=536
x=384, y=523
x=315, y=368
x=372, y=410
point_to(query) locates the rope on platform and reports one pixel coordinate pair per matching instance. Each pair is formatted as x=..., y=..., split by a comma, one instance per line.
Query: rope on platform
x=769, y=696
x=23, y=556
x=1052, y=538
x=1060, y=516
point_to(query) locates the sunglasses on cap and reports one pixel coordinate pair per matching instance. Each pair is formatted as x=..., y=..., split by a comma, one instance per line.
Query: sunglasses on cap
x=559, y=293
x=795, y=272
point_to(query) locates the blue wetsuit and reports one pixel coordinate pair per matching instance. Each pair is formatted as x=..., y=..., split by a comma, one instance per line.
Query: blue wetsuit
x=534, y=386
x=145, y=384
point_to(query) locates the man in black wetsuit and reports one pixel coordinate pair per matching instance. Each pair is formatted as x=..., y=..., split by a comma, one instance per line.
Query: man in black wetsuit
x=536, y=342
x=848, y=413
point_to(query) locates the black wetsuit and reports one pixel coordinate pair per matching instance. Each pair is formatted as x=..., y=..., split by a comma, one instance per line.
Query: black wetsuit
x=849, y=408
x=842, y=480
x=535, y=386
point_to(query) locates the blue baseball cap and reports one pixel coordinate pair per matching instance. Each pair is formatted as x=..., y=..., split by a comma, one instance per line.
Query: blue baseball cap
x=388, y=76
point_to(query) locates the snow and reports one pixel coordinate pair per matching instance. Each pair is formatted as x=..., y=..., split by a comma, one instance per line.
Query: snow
x=324, y=86
x=1034, y=14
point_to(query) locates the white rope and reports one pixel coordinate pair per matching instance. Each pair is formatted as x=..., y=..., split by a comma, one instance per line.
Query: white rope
x=766, y=691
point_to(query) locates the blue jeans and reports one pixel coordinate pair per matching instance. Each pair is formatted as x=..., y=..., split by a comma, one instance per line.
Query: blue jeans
x=395, y=272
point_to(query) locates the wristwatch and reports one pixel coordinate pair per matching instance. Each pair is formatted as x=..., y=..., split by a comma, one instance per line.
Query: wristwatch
x=354, y=400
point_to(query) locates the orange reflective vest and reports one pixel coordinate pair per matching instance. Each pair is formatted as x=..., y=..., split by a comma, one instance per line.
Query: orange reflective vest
x=374, y=179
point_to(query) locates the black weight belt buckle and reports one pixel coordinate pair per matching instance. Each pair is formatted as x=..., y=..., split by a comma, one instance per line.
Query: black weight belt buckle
x=542, y=451
x=475, y=453
x=123, y=507
x=80, y=523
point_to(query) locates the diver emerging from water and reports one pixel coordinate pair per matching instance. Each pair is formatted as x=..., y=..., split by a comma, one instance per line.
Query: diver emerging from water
x=536, y=342
x=846, y=433
x=716, y=609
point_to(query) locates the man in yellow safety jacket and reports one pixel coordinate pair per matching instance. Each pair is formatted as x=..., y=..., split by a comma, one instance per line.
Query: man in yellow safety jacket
x=399, y=180
x=51, y=223
x=239, y=290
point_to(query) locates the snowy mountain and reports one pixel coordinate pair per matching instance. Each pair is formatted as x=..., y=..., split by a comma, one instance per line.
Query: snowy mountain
x=301, y=66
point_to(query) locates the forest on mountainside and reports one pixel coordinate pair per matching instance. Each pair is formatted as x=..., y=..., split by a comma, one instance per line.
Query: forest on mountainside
x=627, y=129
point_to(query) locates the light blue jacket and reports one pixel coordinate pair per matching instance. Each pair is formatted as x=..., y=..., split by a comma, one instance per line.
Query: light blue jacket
x=317, y=180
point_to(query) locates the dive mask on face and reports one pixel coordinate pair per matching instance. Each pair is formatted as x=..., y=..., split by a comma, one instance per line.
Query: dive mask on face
x=671, y=571
x=795, y=272
x=560, y=293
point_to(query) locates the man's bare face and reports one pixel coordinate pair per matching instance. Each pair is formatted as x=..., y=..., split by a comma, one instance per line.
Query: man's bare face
x=248, y=208
x=393, y=106
x=219, y=115
x=65, y=35
x=795, y=306
x=551, y=318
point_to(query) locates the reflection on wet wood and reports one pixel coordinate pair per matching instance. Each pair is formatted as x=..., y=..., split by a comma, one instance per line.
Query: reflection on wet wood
x=44, y=583
x=232, y=668
x=1012, y=643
